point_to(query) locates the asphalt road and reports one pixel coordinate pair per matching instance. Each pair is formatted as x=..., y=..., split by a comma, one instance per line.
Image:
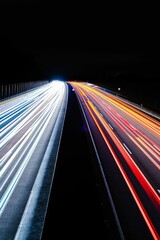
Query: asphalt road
x=127, y=142
x=29, y=123
x=79, y=206
x=100, y=174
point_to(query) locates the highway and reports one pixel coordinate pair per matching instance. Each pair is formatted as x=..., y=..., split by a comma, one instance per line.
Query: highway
x=31, y=127
x=127, y=144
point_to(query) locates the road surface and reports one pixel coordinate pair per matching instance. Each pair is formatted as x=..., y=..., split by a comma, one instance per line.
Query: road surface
x=31, y=126
x=127, y=144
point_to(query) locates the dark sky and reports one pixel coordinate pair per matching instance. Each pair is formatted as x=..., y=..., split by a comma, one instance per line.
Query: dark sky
x=41, y=41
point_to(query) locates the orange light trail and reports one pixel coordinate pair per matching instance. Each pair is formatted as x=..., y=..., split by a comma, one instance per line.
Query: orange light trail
x=143, y=119
x=125, y=126
x=140, y=176
x=152, y=149
x=146, y=145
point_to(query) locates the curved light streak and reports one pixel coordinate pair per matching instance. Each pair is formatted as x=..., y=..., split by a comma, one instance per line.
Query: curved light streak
x=24, y=126
x=146, y=145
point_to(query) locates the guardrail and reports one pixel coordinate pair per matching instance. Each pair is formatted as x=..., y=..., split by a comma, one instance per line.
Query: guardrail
x=154, y=112
x=11, y=89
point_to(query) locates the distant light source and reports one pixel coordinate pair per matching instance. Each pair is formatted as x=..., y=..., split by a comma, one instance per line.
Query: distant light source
x=119, y=89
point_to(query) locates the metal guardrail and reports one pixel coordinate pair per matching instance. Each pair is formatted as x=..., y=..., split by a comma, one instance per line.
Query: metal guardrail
x=132, y=102
x=11, y=89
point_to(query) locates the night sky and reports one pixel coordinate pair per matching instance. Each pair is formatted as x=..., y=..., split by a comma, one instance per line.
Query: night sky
x=113, y=47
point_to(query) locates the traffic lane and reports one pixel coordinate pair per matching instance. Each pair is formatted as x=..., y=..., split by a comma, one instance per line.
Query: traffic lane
x=25, y=142
x=127, y=113
x=148, y=164
x=150, y=160
x=36, y=105
x=20, y=99
x=143, y=124
x=117, y=194
x=19, y=157
x=146, y=151
x=25, y=124
x=12, y=212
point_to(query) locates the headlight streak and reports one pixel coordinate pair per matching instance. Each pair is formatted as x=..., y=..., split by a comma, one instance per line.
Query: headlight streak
x=35, y=121
x=38, y=93
x=9, y=128
x=25, y=157
x=31, y=120
x=86, y=94
x=38, y=124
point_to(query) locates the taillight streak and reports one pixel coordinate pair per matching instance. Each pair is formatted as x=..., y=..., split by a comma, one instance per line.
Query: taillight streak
x=136, y=171
x=135, y=134
x=128, y=182
x=151, y=126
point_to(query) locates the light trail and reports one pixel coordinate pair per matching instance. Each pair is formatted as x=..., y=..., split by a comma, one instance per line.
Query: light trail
x=117, y=118
x=143, y=119
x=24, y=126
